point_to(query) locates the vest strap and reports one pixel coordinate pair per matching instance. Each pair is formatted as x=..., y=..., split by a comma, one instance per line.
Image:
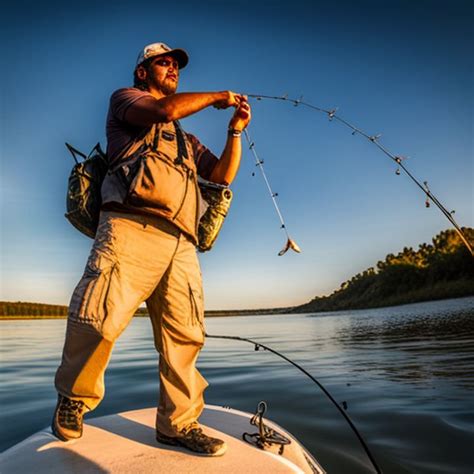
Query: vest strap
x=156, y=137
x=182, y=149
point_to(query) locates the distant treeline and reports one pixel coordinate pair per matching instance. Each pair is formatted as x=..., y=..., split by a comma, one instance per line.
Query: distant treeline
x=443, y=269
x=19, y=309
x=11, y=309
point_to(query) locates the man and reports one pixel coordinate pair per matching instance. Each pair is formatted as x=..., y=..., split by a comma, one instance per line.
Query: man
x=144, y=249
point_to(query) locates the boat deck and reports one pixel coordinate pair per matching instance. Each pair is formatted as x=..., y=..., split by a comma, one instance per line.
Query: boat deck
x=126, y=442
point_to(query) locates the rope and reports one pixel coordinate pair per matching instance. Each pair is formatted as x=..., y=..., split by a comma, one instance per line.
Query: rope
x=266, y=436
x=258, y=345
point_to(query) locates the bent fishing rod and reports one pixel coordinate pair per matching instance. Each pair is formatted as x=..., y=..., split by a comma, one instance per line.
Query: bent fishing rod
x=398, y=160
x=259, y=345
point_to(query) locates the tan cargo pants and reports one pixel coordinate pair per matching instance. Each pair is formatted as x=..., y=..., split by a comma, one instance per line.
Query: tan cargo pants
x=135, y=259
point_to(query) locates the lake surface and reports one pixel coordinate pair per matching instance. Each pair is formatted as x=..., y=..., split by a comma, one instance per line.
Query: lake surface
x=406, y=374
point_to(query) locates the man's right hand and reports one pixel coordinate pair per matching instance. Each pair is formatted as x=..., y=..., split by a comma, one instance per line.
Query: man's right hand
x=228, y=99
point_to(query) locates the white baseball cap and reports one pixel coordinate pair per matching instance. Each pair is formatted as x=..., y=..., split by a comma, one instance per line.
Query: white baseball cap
x=157, y=49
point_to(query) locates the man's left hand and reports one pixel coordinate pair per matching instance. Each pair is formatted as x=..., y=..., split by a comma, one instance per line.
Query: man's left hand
x=242, y=115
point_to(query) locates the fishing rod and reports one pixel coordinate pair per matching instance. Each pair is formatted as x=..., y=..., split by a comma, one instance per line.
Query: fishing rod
x=259, y=345
x=430, y=197
x=290, y=243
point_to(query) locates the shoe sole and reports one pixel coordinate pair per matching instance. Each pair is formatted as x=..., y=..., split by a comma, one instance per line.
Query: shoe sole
x=59, y=435
x=168, y=440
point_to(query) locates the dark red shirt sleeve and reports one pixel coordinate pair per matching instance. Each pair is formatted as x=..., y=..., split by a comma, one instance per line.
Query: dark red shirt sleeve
x=122, y=99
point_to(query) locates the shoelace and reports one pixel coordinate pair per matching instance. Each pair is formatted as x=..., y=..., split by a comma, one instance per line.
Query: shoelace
x=71, y=411
x=198, y=436
x=193, y=432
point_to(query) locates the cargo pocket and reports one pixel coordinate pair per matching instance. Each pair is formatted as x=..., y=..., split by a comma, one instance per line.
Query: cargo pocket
x=89, y=300
x=197, y=306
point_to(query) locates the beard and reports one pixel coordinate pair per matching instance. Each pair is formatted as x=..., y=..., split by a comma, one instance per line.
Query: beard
x=166, y=85
x=169, y=86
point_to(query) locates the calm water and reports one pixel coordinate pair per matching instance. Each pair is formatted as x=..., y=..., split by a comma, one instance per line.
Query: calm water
x=406, y=373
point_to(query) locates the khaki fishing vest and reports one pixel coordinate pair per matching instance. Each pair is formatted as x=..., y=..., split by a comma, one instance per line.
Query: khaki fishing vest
x=159, y=177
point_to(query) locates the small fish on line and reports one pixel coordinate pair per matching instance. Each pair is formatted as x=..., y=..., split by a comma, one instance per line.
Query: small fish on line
x=290, y=244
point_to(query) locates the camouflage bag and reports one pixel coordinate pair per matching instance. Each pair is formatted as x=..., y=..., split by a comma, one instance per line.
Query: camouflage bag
x=83, y=198
x=218, y=199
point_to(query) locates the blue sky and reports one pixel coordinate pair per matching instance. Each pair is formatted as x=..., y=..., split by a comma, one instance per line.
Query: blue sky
x=400, y=68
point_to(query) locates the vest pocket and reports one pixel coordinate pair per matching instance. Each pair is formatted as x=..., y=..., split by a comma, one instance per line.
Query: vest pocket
x=159, y=185
x=127, y=172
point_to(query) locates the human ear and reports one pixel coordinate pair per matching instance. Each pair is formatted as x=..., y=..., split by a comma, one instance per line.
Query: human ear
x=141, y=73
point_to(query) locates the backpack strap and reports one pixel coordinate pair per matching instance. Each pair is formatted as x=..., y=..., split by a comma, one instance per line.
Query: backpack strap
x=97, y=150
x=74, y=152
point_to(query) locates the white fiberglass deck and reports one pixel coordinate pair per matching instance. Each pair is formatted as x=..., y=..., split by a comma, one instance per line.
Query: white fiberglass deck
x=125, y=443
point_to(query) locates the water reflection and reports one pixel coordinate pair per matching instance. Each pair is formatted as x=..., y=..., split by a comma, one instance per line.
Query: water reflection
x=406, y=374
x=412, y=343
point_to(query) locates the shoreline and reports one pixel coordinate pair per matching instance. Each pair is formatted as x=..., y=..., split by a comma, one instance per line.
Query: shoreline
x=142, y=314
x=257, y=312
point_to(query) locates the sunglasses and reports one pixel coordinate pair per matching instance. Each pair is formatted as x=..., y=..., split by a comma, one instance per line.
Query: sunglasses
x=166, y=63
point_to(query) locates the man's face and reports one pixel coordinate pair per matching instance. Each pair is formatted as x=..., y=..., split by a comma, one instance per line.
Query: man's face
x=163, y=74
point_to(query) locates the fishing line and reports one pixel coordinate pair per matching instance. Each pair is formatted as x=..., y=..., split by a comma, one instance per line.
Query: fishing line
x=430, y=197
x=290, y=243
x=258, y=345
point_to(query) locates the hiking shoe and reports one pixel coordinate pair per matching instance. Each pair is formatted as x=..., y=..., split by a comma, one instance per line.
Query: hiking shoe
x=67, y=420
x=195, y=440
